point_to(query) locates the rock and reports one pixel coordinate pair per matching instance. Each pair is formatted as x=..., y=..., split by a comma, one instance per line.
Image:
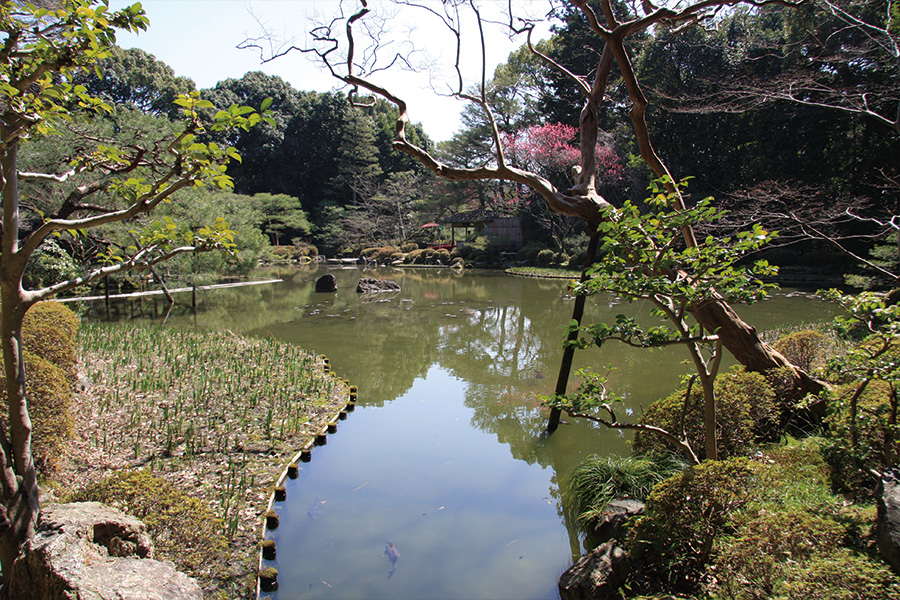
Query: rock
x=367, y=285
x=87, y=551
x=615, y=516
x=326, y=283
x=596, y=576
x=887, y=522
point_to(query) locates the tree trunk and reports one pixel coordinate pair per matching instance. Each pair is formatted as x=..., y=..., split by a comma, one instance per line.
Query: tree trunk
x=745, y=345
x=19, y=505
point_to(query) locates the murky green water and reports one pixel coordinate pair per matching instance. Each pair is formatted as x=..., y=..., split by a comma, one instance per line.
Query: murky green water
x=445, y=456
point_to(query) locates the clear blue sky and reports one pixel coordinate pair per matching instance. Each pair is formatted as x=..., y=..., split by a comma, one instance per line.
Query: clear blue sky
x=198, y=39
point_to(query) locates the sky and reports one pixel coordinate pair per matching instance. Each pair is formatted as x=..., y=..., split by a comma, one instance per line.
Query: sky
x=199, y=39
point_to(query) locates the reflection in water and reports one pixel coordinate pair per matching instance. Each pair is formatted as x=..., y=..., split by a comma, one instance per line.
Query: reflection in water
x=446, y=368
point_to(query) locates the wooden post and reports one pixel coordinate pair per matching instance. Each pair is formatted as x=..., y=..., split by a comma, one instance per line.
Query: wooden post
x=565, y=367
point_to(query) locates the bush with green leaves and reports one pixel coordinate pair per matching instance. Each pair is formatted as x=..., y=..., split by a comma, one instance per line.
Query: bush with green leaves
x=876, y=434
x=766, y=547
x=864, y=432
x=378, y=254
x=49, y=263
x=650, y=254
x=840, y=575
x=50, y=409
x=673, y=542
x=745, y=413
x=808, y=349
x=49, y=330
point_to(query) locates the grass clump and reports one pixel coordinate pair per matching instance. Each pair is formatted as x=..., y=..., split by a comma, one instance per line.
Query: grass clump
x=598, y=480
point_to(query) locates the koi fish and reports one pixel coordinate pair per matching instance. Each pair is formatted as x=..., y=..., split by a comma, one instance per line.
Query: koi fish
x=393, y=554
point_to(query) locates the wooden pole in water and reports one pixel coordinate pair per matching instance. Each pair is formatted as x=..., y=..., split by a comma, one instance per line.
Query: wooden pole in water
x=565, y=367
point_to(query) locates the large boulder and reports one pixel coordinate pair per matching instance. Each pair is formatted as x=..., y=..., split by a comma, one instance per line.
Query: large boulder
x=887, y=523
x=326, y=283
x=596, y=576
x=87, y=551
x=367, y=285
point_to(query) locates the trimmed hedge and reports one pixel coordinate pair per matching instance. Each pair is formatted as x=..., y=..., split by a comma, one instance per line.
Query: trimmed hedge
x=49, y=406
x=49, y=330
x=746, y=412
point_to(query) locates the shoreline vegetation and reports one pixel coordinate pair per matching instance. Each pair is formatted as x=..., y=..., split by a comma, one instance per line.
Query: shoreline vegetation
x=189, y=431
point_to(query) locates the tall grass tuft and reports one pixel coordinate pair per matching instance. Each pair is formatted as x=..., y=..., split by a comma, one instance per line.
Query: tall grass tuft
x=598, y=480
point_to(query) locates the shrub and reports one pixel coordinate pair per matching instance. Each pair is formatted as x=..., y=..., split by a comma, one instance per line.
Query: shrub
x=766, y=547
x=840, y=575
x=745, y=409
x=183, y=528
x=302, y=249
x=379, y=255
x=49, y=330
x=673, y=542
x=544, y=258
x=53, y=314
x=408, y=247
x=49, y=406
x=530, y=250
x=442, y=256
x=877, y=440
x=808, y=349
x=49, y=264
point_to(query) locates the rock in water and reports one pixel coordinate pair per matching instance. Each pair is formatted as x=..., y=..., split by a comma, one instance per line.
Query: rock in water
x=367, y=285
x=87, y=550
x=596, y=576
x=326, y=283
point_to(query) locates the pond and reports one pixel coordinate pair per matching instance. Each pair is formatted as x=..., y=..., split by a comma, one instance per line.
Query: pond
x=445, y=457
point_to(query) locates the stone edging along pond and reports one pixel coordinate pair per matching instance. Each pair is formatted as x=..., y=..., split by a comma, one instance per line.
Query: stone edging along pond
x=266, y=580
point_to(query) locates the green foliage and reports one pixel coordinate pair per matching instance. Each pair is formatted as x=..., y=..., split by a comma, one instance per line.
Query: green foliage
x=598, y=480
x=876, y=433
x=840, y=575
x=807, y=349
x=409, y=247
x=49, y=264
x=379, y=255
x=863, y=427
x=767, y=547
x=49, y=331
x=55, y=315
x=640, y=252
x=545, y=257
x=183, y=528
x=49, y=406
x=674, y=541
x=745, y=409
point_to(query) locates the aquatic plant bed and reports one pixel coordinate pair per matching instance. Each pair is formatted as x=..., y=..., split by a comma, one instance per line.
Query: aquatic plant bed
x=214, y=414
x=544, y=272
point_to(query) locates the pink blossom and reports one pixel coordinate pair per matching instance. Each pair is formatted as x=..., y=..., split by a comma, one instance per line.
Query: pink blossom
x=550, y=149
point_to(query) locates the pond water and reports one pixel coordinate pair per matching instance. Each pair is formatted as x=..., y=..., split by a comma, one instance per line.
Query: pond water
x=445, y=457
